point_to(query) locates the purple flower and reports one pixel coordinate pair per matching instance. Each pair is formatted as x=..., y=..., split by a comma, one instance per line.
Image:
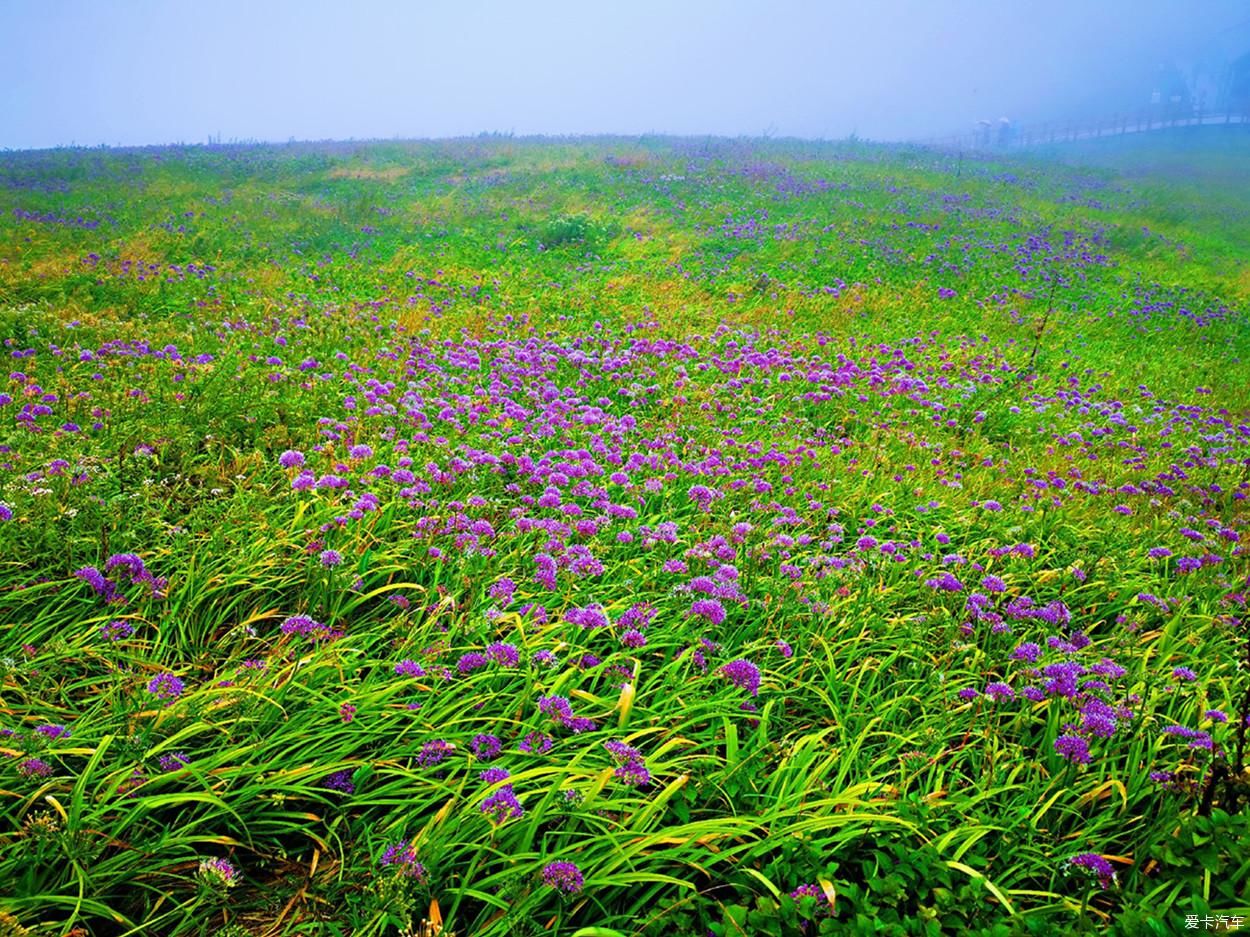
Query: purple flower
x=633, y=773
x=53, y=731
x=999, y=691
x=1074, y=748
x=6, y=512
x=991, y=506
x=218, y=872
x=1184, y=673
x=173, y=761
x=946, y=582
x=634, y=639
x=494, y=775
x=505, y=655
x=502, y=806
x=360, y=451
x=742, y=674
x=502, y=591
x=117, y=630
x=711, y=609
x=813, y=891
x=536, y=743
x=403, y=857
x=340, y=781
x=563, y=876
x=1093, y=865
x=1158, y=553
x=331, y=558
x=292, y=458
x=433, y=753
x=1028, y=651
x=166, y=686
x=409, y=668
x=471, y=661
x=34, y=768
x=993, y=584
x=485, y=747
x=94, y=578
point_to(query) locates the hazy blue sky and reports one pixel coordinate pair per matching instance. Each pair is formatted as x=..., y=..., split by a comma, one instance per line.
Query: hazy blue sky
x=147, y=71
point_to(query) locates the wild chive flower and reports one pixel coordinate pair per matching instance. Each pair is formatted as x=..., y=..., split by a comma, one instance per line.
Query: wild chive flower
x=494, y=775
x=1028, y=651
x=999, y=691
x=993, y=584
x=302, y=624
x=563, y=876
x=1092, y=865
x=502, y=591
x=102, y=586
x=536, y=743
x=6, y=512
x=485, y=747
x=292, y=458
x=331, y=558
x=711, y=609
x=502, y=806
x=1184, y=673
x=173, y=761
x=34, y=768
x=409, y=668
x=505, y=655
x=53, y=731
x=117, y=630
x=166, y=686
x=742, y=674
x=946, y=582
x=433, y=753
x=471, y=661
x=633, y=639
x=360, y=451
x=1074, y=748
x=823, y=904
x=403, y=857
x=218, y=873
x=340, y=781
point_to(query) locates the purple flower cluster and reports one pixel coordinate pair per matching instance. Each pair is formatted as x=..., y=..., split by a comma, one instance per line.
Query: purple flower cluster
x=630, y=766
x=563, y=876
x=401, y=857
x=560, y=711
x=742, y=674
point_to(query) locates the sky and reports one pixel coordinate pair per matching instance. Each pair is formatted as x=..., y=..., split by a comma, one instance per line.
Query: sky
x=134, y=72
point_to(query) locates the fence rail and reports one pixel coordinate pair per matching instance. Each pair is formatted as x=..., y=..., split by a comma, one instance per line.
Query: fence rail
x=1006, y=135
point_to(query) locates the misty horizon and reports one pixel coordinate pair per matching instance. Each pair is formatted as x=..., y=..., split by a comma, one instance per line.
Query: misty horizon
x=146, y=73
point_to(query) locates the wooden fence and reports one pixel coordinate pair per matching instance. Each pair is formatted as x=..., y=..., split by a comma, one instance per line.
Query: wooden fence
x=990, y=135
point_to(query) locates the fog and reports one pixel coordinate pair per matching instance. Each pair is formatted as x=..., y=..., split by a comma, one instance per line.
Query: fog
x=133, y=72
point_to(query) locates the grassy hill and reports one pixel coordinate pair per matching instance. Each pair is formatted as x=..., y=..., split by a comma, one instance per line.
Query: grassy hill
x=623, y=536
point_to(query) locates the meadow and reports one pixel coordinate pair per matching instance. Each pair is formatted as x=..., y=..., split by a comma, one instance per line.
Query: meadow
x=625, y=536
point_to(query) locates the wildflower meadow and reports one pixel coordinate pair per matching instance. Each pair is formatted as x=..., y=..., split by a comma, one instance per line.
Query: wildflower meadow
x=605, y=536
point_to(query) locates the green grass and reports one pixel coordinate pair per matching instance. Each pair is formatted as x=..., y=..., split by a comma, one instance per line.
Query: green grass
x=809, y=379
